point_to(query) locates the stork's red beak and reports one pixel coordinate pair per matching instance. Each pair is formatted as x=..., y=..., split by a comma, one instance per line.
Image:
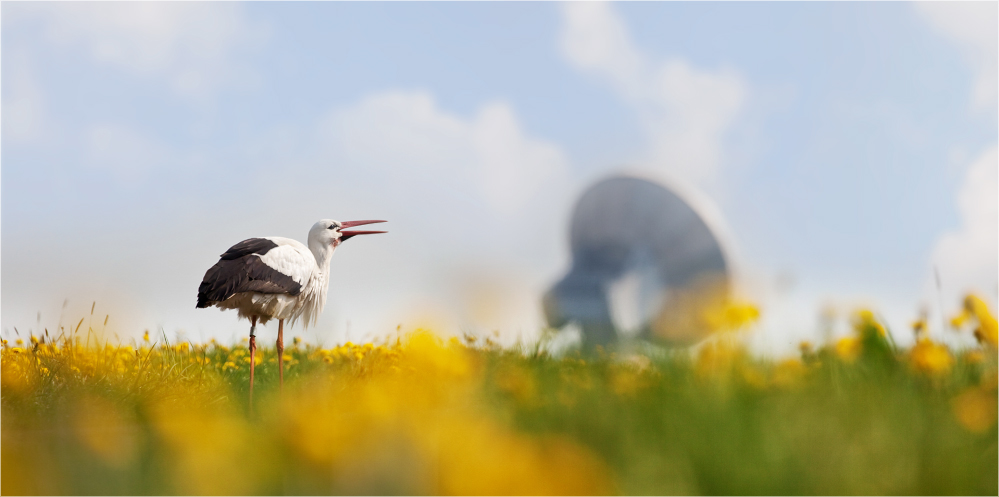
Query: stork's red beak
x=344, y=235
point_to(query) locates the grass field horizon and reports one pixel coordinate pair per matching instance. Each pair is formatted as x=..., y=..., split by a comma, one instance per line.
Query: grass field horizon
x=421, y=414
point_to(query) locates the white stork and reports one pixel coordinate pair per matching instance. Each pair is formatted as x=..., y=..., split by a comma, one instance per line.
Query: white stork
x=277, y=278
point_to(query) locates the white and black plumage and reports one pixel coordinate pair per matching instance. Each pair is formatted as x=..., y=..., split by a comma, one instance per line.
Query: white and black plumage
x=277, y=278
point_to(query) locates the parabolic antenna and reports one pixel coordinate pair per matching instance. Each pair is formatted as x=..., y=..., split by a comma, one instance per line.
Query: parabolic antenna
x=628, y=229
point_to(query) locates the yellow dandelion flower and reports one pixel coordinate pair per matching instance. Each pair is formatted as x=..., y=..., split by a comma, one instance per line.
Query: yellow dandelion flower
x=752, y=376
x=718, y=358
x=931, y=358
x=848, y=348
x=975, y=409
x=789, y=373
x=145, y=336
x=104, y=429
x=517, y=382
x=864, y=319
x=988, y=331
x=959, y=320
x=731, y=316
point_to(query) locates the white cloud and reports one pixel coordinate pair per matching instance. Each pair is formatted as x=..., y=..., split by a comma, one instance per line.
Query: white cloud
x=407, y=141
x=973, y=27
x=967, y=258
x=478, y=198
x=685, y=111
x=596, y=39
x=191, y=44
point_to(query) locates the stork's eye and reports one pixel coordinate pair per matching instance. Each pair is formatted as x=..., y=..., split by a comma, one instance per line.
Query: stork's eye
x=332, y=226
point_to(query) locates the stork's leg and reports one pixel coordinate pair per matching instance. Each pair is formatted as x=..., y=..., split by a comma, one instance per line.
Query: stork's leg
x=253, y=350
x=280, y=353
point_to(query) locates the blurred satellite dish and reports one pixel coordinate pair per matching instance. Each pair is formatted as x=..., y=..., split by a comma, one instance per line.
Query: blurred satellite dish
x=642, y=258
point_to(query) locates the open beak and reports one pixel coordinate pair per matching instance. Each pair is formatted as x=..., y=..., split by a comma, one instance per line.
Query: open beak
x=344, y=235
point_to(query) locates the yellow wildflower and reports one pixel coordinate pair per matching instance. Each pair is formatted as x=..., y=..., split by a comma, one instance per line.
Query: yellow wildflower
x=479, y=458
x=931, y=358
x=752, y=376
x=207, y=445
x=106, y=431
x=517, y=382
x=733, y=315
x=625, y=382
x=864, y=319
x=975, y=409
x=987, y=332
x=718, y=358
x=789, y=373
x=848, y=348
x=959, y=320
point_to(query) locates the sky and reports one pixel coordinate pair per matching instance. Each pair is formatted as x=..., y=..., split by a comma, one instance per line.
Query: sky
x=847, y=152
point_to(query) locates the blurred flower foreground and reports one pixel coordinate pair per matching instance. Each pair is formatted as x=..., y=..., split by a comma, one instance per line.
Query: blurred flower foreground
x=422, y=415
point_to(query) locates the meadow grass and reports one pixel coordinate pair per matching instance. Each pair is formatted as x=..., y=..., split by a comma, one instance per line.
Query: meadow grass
x=423, y=415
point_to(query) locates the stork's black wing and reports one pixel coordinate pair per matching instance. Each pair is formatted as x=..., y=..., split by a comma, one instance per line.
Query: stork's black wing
x=241, y=269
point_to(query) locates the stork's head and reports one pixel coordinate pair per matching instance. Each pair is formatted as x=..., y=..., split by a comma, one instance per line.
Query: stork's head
x=332, y=233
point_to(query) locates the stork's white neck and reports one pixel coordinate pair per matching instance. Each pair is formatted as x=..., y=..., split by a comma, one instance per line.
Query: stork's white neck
x=322, y=252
